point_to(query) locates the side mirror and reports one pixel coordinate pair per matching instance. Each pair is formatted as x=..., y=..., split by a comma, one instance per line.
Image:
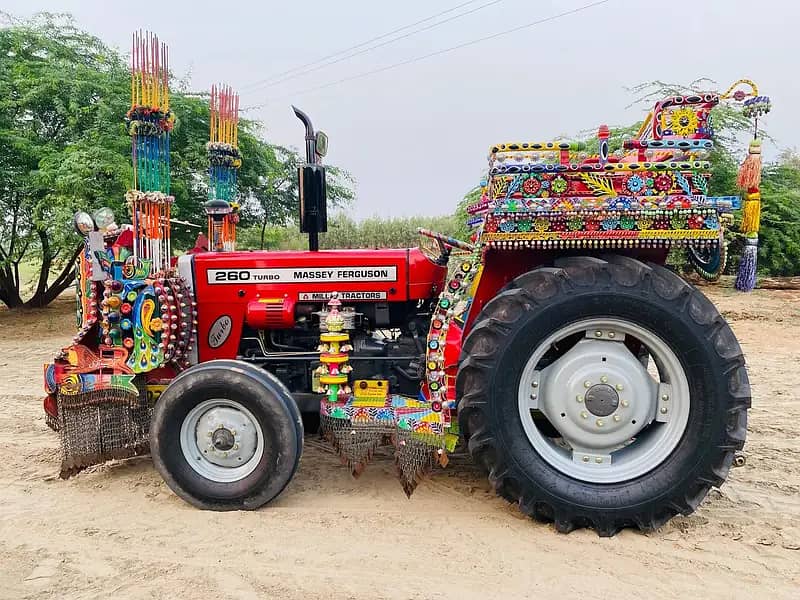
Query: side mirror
x=321, y=143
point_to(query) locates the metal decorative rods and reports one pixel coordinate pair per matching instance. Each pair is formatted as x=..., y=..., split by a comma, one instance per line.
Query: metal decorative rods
x=149, y=124
x=224, y=162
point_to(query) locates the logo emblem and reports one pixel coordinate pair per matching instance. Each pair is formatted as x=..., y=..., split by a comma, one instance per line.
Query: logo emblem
x=219, y=331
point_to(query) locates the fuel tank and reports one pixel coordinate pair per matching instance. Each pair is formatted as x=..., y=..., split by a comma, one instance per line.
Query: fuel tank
x=268, y=285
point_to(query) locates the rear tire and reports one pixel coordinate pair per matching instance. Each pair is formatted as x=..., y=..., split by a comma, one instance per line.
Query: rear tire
x=673, y=317
x=226, y=435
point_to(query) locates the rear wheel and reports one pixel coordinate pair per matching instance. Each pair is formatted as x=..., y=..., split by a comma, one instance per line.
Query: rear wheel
x=603, y=393
x=226, y=435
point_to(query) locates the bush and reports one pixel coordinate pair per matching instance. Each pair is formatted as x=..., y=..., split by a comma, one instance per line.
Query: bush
x=345, y=232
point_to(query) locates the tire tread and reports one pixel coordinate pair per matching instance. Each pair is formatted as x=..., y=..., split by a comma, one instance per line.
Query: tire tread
x=524, y=294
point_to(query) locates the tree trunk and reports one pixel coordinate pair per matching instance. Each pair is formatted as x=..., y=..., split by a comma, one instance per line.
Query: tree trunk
x=9, y=289
x=44, y=269
x=46, y=295
x=779, y=283
x=263, y=231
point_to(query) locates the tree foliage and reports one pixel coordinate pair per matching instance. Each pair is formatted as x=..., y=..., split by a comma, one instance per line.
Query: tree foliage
x=64, y=148
x=59, y=140
x=345, y=232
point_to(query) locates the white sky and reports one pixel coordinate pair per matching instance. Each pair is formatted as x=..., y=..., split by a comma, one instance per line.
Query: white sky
x=416, y=137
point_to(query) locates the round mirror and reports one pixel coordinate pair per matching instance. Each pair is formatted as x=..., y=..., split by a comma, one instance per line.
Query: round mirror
x=104, y=219
x=83, y=223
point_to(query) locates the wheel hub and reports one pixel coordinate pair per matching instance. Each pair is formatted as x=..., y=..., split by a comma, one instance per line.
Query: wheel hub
x=601, y=400
x=223, y=439
x=220, y=439
x=599, y=397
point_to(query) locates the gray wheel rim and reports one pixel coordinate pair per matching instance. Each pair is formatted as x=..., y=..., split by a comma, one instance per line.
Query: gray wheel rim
x=221, y=440
x=618, y=416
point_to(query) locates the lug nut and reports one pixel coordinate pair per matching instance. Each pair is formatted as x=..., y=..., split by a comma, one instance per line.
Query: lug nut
x=579, y=398
x=585, y=459
x=599, y=422
x=535, y=384
x=604, y=379
x=611, y=334
x=617, y=418
x=624, y=403
x=619, y=387
x=663, y=410
x=584, y=415
x=598, y=460
x=533, y=396
x=665, y=397
x=598, y=334
x=587, y=384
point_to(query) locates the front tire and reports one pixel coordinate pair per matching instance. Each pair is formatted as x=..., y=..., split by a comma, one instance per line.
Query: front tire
x=603, y=393
x=226, y=435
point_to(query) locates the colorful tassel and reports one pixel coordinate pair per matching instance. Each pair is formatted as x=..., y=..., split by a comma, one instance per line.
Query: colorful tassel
x=750, y=171
x=746, y=277
x=751, y=212
x=749, y=179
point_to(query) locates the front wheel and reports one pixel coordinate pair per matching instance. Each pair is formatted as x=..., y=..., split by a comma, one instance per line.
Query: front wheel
x=226, y=435
x=603, y=393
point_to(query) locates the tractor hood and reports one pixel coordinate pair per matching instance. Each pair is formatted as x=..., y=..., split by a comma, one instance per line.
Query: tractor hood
x=393, y=275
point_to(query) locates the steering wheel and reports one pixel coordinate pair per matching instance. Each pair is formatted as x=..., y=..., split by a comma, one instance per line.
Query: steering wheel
x=439, y=246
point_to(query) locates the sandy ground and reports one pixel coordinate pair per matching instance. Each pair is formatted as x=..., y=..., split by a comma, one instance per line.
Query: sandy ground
x=117, y=530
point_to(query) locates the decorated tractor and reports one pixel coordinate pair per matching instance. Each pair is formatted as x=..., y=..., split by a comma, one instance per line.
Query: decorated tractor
x=594, y=386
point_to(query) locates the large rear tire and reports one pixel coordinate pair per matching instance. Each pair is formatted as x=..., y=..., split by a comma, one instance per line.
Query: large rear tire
x=226, y=435
x=603, y=393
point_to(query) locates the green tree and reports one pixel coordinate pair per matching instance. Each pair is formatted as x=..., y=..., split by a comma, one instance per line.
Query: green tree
x=64, y=147
x=61, y=94
x=779, y=239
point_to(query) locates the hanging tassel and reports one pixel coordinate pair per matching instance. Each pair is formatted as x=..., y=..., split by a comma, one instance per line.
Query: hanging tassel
x=746, y=277
x=749, y=179
x=751, y=212
x=750, y=172
x=751, y=220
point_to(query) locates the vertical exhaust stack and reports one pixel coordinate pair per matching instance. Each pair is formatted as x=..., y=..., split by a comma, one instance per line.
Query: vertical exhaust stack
x=311, y=184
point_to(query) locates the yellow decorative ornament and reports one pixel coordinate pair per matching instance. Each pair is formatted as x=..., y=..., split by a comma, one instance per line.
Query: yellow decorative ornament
x=683, y=122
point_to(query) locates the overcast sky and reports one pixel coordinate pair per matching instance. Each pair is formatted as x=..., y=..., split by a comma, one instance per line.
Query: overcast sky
x=416, y=137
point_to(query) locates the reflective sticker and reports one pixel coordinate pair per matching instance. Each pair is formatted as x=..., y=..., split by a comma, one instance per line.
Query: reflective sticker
x=301, y=275
x=322, y=296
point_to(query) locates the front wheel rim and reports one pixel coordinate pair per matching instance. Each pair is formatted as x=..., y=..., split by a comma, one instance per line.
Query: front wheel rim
x=221, y=440
x=611, y=418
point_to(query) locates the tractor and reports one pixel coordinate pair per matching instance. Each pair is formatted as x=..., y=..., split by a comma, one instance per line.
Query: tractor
x=593, y=385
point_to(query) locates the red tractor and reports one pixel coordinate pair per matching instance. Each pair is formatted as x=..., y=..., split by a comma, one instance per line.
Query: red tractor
x=593, y=385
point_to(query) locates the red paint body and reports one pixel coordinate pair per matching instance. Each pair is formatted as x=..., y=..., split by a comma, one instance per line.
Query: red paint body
x=272, y=304
x=263, y=303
